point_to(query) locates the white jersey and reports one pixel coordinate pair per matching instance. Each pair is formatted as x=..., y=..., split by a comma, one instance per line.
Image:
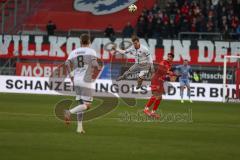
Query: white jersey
x=83, y=60
x=142, y=55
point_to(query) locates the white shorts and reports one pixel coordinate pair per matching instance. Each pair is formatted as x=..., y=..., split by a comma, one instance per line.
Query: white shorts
x=143, y=73
x=83, y=89
x=143, y=69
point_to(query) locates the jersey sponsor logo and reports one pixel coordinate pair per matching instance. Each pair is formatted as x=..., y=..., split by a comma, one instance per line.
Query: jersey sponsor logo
x=101, y=7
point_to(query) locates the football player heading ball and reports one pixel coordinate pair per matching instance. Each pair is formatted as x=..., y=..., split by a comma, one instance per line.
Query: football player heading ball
x=143, y=61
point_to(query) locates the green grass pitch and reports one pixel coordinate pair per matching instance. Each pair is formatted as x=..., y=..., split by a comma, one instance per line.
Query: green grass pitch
x=30, y=131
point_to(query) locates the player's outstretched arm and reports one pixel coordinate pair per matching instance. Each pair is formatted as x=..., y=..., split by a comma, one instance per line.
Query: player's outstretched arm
x=119, y=51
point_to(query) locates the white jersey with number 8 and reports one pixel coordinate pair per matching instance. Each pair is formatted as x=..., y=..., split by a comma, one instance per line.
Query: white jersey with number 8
x=83, y=60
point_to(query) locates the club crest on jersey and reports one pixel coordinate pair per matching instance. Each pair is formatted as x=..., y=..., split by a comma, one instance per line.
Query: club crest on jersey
x=101, y=7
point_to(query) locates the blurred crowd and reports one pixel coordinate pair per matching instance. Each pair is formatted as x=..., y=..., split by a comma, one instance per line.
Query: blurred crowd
x=189, y=16
x=220, y=16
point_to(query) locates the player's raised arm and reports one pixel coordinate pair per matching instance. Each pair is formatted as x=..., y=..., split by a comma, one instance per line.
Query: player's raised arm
x=121, y=51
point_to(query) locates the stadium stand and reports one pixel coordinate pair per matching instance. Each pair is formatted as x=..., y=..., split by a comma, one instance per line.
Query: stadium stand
x=190, y=16
x=214, y=19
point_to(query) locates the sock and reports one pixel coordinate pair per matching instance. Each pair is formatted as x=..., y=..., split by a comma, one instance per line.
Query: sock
x=156, y=104
x=188, y=93
x=150, y=102
x=79, y=121
x=79, y=126
x=79, y=116
x=181, y=94
x=78, y=108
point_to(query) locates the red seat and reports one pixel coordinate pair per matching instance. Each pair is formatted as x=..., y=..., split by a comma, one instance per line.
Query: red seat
x=62, y=13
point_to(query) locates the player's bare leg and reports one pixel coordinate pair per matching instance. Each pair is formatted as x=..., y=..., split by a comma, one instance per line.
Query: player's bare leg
x=139, y=82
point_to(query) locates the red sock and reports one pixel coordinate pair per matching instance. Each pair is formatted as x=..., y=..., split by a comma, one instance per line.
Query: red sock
x=156, y=104
x=150, y=101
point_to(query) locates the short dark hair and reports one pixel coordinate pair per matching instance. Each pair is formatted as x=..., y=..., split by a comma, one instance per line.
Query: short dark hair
x=135, y=38
x=171, y=54
x=85, y=39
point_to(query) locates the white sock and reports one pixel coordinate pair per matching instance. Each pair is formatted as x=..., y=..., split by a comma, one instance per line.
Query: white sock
x=79, y=126
x=78, y=108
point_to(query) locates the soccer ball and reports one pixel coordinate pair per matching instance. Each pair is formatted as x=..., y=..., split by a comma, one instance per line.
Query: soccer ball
x=132, y=8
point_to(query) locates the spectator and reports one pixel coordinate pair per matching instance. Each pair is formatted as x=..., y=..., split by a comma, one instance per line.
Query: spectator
x=157, y=29
x=210, y=26
x=155, y=8
x=185, y=8
x=150, y=24
x=165, y=30
x=184, y=23
x=128, y=30
x=109, y=31
x=172, y=29
x=234, y=23
x=51, y=27
x=225, y=31
x=141, y=27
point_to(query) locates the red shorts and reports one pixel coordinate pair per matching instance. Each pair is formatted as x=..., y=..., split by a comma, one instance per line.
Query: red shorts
x=157, y=86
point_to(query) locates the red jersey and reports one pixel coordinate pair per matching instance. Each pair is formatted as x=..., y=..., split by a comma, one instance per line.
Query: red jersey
x=160, y=75
x=162, y=70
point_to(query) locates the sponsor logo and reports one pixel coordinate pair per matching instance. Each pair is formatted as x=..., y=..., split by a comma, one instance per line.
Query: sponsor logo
x=108, y=88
